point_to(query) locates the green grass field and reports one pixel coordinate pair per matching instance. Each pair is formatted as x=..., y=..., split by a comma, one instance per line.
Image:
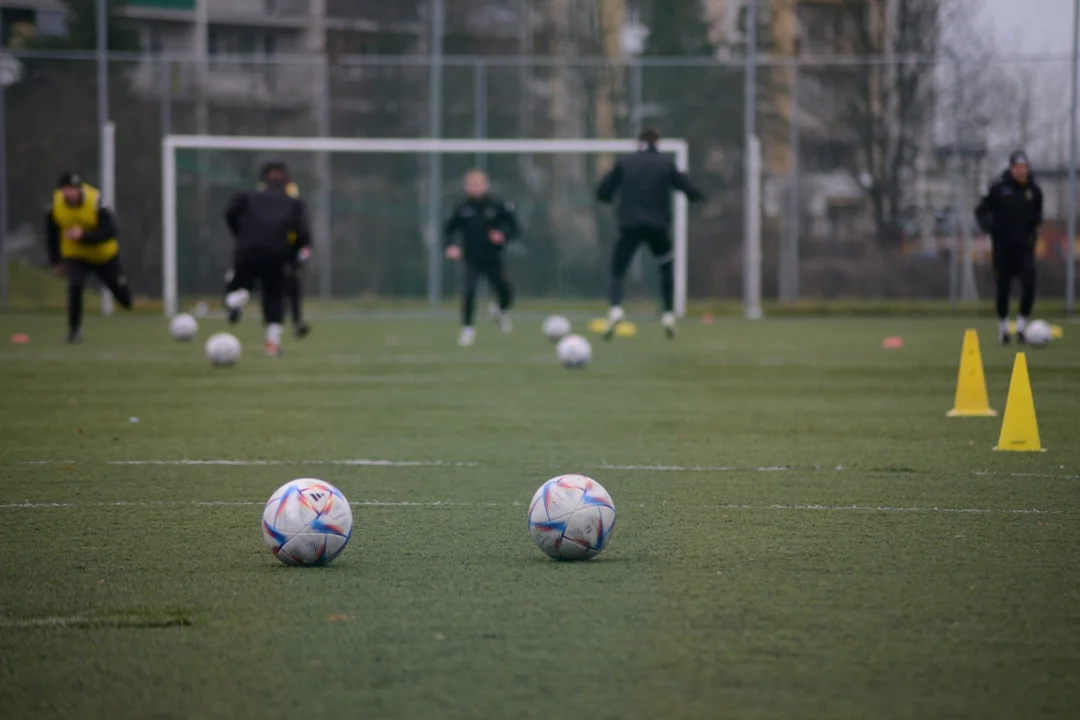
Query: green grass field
x=801, y=532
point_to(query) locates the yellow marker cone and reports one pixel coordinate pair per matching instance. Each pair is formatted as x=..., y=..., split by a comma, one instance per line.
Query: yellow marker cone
x=971, y=398
x=1019, y=428
x=597, y=325
x=626, y=329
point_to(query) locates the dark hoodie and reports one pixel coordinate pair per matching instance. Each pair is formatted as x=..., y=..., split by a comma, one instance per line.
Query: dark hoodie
x=1010, y=212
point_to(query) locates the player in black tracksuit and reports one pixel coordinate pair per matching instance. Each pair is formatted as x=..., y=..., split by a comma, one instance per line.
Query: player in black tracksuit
x=485, y=224
x=262, y=221
x=644, y=182
x=1011, y=212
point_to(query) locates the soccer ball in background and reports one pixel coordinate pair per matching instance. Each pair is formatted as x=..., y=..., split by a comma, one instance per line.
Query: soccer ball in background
x=307, y=522
x=571, y=517
x=556, y=327
x=223, y=350
x=183, y=327
x=574, y=351
x=1038, y=333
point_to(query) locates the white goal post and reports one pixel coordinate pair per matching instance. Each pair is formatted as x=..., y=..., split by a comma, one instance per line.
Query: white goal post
x=172, y=143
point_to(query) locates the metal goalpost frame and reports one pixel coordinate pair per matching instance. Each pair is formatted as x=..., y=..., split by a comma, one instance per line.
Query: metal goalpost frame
x=171, y=143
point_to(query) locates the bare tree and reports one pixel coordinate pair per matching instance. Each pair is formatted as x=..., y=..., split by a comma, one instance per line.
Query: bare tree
x=880, y=113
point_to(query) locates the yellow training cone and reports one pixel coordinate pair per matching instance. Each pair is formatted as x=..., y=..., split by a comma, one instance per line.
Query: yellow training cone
x=626, y=329
x=971, y=398
x=597, y=325
x=1019, y=429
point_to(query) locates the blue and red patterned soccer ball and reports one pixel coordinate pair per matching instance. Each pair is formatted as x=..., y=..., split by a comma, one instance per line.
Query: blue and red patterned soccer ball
x=571, y=517
x=307, y=522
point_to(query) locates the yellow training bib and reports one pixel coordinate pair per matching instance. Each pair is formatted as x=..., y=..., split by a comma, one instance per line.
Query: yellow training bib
x=85, y=216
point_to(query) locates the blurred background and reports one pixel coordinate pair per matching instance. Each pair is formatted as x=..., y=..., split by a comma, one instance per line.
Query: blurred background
x=880, y=123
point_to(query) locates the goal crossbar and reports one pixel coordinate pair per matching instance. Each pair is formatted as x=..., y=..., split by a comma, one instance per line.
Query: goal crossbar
x=171, y=143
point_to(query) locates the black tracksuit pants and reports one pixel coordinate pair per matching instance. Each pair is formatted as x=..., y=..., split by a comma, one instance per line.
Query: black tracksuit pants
x=494, y=271
x=111, y=275
x=632, y=238
x=268, y=270
x=1014, y=261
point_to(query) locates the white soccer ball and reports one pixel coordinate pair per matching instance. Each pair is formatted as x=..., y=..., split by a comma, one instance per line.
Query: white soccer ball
x=556, y=327
x=223, y=350
x=571, y=517
x=574, y=351
x=183, y=327
x=307, y=522
x=1037, y=333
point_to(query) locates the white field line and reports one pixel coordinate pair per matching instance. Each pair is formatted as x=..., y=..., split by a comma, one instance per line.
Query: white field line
x=705, y=469
x=46, y=622
x=370, y=462
x=989, y=473
x=363, y=462
x=449, y=503
x=86, y=621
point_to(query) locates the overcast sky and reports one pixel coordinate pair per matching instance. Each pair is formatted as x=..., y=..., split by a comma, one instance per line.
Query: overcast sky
x=1031, y=27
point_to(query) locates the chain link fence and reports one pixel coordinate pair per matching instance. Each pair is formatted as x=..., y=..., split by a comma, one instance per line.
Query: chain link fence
x=867, y=192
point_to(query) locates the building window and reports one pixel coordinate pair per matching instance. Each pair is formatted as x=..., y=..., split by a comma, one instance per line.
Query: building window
x=826, y=156
x=51, y=23
x=829, y=28
x=150, y=40
x=241, y=41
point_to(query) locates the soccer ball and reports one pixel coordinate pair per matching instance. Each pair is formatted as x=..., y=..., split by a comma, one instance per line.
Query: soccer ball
x=223, y=350
x=571, y=517
x=556, y=327
x=574, y=351
x=1037, y=333
x=307, y=522
x=183, y=327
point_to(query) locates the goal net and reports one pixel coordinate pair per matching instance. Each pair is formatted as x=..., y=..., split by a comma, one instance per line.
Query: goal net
x=377, y=208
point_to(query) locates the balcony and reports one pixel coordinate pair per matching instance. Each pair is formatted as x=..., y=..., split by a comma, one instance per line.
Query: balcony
x=230, y=82
x=171, y=10
x=251, y=13
x=261, y=13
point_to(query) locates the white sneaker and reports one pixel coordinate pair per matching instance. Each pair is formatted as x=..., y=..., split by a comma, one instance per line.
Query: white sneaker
x=615, y=316
x=668, y=321
x=237, y=299
x=467, y=337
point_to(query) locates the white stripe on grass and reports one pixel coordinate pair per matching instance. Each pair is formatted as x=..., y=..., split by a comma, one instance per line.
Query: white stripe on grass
x=363, y=462
x=454, y=504
x=374, y=462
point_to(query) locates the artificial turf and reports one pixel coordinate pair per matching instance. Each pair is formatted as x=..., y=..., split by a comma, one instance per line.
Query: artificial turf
x=801, y=532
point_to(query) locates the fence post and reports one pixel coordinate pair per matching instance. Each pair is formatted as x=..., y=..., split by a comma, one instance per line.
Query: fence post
x=789, y=255
x=434, y=199
x=480, y=107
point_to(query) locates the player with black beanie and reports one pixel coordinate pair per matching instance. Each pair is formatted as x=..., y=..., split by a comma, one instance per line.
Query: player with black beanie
x=270, y=226
x=644, y=181
x=1011, y=212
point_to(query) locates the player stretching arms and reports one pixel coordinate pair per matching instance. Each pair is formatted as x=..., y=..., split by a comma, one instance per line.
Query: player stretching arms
x=262, y=222
x=81, y=236
x=485, y=224
x=644, y=181
x=1011, y=212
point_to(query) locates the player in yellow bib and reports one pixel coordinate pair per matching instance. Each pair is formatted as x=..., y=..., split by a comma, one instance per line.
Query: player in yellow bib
x=81, y=236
